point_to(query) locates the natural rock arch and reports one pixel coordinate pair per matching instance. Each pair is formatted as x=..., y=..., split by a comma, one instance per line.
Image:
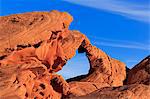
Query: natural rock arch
x=39, y=47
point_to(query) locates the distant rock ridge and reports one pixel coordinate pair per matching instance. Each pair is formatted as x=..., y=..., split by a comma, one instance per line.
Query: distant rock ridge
x=140, y=73
x=36, y=45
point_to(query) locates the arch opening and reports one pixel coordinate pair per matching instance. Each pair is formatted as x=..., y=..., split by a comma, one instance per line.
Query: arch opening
x=76, y=66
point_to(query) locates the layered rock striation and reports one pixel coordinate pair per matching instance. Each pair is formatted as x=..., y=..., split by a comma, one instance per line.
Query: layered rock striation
x=137, y=86
x=140, y=74
x=35, y=46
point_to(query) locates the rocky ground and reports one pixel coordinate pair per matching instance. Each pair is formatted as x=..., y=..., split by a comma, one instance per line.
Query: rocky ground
x=34, y=46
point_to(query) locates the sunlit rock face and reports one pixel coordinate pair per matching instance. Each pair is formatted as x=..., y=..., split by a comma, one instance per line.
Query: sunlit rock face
x=133, y=91
x=137, y=87
x=35, y=46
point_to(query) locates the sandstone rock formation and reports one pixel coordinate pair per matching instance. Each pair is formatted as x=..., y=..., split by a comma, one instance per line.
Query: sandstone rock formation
x=38, y=48
x=104, y=71
x=103, y=68
x=135, y=91
x=34, y=46
x=137, y=87
x=83, y=88
x=30, y=28
x=140, y=74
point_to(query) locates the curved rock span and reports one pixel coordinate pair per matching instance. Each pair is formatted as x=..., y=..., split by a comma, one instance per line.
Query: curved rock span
x=34, y=46
x=138, y=85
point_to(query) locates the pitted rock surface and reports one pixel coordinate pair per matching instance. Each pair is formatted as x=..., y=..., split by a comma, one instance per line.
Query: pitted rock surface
x=30, y=28
x=34, y=46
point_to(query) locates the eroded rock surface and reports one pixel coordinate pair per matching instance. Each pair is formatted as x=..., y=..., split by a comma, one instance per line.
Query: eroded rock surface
x=30, y=28
x=34, y=46
x=83, y=88
x=103, y=68
x=104, y=71
x=135, y=91
x=138, y=86
x=140, y=74
x=37, y=48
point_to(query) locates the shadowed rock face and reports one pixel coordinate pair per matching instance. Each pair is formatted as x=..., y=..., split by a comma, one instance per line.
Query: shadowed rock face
x=34, y=46
x=140, y=74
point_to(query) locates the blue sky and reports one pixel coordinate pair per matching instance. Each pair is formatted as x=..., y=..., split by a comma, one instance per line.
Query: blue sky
x=118, y=27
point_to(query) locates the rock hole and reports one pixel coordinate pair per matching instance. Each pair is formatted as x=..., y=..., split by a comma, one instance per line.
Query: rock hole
x=35, y=97
x=23, y=46
x=42, y=17
x=9, y=50
x=49, y=96
x=30, y=23
x=77, y=66
x=54, y=34
x=37, y=45
x=56, y=85
x=57, y=62
x=45, y=63
x=42, y=86
x=26, y=94
x=2, y=57
x=16, y=81
x=64, y=25
x=14, y=20
x=41, y=93
x=24, y=85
